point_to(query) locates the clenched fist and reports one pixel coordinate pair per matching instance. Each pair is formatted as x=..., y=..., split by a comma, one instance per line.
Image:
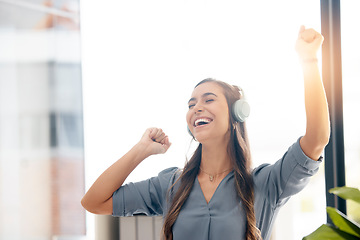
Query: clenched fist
x=155, y=141
x=308, y=43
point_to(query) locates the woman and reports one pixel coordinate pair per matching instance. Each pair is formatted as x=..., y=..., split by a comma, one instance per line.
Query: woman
x=217, y=195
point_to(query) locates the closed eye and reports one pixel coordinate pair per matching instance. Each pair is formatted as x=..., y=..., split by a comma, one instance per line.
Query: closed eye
x=206, y=101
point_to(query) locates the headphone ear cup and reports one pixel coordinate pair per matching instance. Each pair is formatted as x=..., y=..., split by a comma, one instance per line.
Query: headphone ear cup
x=241, y=110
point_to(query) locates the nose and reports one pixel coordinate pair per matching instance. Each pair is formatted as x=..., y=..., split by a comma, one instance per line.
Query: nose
x=198, y=108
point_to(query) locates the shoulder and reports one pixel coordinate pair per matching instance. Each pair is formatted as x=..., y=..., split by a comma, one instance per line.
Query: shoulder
x=168, y=176
x=169, y=173
x=170, y=170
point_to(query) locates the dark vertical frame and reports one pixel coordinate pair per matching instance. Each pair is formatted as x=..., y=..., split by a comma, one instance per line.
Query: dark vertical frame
x=332, y=76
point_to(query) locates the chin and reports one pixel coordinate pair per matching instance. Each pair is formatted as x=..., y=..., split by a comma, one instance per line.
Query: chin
x=203, y=138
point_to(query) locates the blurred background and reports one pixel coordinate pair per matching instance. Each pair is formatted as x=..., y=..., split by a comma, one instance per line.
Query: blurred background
x=80, y=81
x=41, y=120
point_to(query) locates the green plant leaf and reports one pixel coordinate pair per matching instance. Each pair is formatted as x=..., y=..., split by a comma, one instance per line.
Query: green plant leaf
x=326, y=232
x=342, y=222
x=347, y=193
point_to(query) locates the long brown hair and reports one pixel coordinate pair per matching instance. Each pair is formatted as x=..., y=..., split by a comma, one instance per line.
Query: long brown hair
x=240, y=157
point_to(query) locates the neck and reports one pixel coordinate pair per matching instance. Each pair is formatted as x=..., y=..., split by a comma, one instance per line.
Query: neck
x=215, y=159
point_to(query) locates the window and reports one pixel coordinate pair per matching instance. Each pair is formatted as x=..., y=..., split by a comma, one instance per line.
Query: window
x=350, y=34
x=41, y=126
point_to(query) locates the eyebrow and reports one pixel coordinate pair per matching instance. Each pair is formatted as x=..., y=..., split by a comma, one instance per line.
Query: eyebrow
x=204, y=95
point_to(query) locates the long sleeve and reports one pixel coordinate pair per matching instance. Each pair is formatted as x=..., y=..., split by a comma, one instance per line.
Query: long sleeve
x=146, y=197
x=287, y=176
x=276, y=183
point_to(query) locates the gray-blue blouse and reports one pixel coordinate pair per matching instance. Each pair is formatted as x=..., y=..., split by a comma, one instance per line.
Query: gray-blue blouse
x=223, y=217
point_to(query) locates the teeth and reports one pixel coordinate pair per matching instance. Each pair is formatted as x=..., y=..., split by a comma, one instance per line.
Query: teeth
x=205, y=120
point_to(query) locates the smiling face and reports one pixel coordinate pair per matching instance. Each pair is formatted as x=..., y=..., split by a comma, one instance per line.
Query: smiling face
x=208, y=115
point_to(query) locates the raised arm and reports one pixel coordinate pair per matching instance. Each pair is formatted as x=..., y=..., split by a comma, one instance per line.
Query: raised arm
x=98, y=198
x=317, y=115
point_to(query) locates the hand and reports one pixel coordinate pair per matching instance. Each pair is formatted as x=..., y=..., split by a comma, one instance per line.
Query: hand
x=155, y=141
x=308, y=43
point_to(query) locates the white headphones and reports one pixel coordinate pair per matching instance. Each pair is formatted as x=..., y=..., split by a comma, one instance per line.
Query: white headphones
x=241, y=108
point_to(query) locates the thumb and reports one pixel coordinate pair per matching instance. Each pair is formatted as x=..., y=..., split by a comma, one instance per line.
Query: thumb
x=302, y=29
x=166, y=143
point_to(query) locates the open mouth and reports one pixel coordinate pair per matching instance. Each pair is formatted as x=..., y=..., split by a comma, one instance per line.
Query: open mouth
x=202, y=122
